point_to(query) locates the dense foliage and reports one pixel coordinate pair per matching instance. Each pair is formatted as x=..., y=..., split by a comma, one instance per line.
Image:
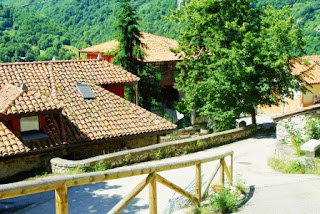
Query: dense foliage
x=23, y=40
x=130, y=56
x=307, y=14
x=83, y=23
x=92, y=21
x=79, y=23
x=237, y=57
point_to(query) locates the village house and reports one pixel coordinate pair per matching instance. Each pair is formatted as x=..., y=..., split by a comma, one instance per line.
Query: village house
x=158, y=54
x=64, y=109
x=308, y=67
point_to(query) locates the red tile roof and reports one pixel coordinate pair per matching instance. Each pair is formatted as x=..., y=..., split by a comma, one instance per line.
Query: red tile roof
x=15, y=101
x=308, y=67
x=156, y=48
x=52, y=84
x=8, y=94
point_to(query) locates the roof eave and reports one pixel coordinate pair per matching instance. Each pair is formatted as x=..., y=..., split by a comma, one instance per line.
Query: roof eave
x=29, y=114
x=300, y=111
x=83, y=51
x=88, y=142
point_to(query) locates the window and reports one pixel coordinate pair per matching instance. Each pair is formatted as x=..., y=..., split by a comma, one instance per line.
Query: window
x=85, y=90
x=29, y=124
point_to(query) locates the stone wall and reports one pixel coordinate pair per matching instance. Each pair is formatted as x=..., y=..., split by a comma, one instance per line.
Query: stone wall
x=294, y=122
x=18, y=165
x=154, y=152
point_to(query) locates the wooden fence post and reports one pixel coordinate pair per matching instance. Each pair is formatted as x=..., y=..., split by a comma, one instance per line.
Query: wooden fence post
x=177, y=189
x=153, y=196
x=222, y=172
x=131, y=195
x=61, y=195
x=198, y=182
x=231, y=168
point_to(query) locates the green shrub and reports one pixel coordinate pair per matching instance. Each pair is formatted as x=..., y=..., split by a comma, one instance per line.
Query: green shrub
x=99, y=166
x=174, y=134
x=296, y=139
x=296, y=166
x=167, y=117
x=224, y=202
x=313, y=127
x=159, y=155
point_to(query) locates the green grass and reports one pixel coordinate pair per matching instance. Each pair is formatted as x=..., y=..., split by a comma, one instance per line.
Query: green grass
x=43, y=174
x=295, y=167
x=99, y=166
x=39, y=175
x=240, y=186
x=297, y=146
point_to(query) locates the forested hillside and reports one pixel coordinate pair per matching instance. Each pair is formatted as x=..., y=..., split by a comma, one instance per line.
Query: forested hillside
x=307, y=14
x=93, y=21
x=60, y=27
x=26, y=36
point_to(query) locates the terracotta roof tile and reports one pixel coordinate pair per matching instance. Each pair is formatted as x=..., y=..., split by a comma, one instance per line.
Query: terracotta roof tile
x=13, y=101
x=105, y=117
x=8, y=94
x=157, y=48
x=308, y=67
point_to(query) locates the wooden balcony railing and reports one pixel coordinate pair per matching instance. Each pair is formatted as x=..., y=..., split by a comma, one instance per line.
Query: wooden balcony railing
x=61, y=183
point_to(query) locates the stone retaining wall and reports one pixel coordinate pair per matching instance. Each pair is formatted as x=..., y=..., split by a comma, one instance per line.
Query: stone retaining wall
x=294, y=122
x=20, y=166
x=154, y=152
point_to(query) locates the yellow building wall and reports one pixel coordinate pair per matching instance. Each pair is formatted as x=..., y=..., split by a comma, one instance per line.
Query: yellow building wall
x=290, y=106
x=307, y=98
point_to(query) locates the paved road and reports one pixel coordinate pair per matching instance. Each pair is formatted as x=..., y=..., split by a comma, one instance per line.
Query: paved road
x=271, y=192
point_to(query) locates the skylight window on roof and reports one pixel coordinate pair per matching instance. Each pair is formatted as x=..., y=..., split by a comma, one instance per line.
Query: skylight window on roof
x=85, y=90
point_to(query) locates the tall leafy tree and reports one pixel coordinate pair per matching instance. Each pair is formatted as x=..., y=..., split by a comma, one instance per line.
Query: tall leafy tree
x=236, y=58
x=130, y=55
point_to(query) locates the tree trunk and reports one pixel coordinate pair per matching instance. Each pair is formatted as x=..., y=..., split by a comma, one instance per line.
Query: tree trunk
x=253, y=116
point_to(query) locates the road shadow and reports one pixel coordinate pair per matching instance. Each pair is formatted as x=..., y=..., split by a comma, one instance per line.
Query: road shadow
x=265, y=135
x=91, y=198
x=249, y=196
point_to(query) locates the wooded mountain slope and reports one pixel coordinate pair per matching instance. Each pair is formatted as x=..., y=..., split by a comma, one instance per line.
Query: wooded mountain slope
x=92, y=20
x=65, y=24
x=307, y=14
x=26, y=36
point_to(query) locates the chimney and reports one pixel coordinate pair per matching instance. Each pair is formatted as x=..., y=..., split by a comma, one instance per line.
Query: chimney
x=53, y=58
x=99, y=57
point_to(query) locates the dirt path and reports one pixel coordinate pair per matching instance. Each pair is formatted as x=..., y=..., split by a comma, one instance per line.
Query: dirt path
x=271, y=192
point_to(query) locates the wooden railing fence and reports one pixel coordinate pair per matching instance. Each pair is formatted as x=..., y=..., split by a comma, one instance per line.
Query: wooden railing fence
x=61, y=183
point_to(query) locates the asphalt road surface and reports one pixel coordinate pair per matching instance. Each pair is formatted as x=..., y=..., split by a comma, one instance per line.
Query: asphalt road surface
x=270, y=191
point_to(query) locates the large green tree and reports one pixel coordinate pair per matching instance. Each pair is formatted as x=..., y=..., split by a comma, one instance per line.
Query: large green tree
x=236, y=57
x=130, y=55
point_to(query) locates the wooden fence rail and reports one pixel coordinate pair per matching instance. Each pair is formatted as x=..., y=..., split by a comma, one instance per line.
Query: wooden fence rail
x=61, y=183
